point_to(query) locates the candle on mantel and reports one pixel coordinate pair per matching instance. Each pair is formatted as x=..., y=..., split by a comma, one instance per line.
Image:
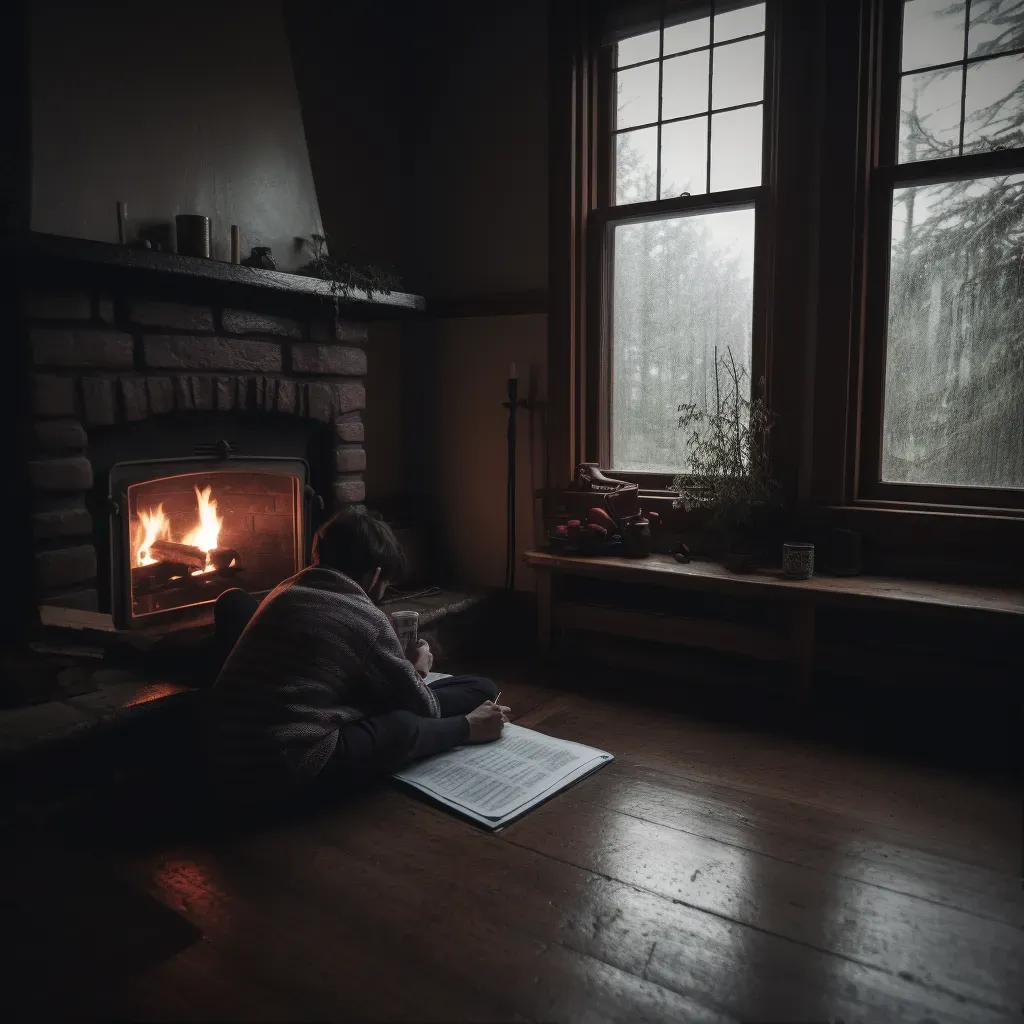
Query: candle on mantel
x=512, y=375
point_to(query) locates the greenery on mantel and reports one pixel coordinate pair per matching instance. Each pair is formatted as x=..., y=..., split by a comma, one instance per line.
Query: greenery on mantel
x=345, y=277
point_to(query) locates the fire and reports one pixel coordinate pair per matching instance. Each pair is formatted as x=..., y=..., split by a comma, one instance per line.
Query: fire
x=154, y=525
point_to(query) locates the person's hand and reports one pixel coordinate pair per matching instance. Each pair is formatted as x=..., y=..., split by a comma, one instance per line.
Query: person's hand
x=422, y=658
x=486, y=722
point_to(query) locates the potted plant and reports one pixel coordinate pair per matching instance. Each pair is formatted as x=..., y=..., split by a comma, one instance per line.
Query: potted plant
x=730, y=474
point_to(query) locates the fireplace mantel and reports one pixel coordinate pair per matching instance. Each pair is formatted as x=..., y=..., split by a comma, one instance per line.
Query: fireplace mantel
x=62, y=257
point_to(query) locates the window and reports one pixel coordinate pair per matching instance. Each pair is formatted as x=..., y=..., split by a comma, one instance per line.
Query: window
x=947, y=381
x=679, y=212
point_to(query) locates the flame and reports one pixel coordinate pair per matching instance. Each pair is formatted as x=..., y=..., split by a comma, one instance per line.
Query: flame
x=153, y=525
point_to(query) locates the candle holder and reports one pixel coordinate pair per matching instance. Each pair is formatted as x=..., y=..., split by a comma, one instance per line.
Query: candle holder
x=514, y=404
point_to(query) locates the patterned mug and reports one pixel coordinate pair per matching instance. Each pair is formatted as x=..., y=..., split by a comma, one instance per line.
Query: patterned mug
x=797, y=560
x=407, y=626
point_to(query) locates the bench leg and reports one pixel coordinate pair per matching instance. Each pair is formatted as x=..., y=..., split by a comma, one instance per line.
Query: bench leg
x=543, y=610
x=802, y=639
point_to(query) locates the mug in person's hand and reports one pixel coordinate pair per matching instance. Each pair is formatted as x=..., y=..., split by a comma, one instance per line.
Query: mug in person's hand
x=407, y=626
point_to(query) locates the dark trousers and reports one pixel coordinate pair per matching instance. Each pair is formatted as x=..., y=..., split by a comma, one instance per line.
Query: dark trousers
x=377, y=746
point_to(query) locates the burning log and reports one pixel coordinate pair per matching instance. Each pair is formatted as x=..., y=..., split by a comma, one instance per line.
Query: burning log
x=225, y=558
x=147, y=579
x=183, y=554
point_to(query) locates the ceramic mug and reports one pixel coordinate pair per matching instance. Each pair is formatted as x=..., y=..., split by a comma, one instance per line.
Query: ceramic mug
x=407, y=626
x=797, y=560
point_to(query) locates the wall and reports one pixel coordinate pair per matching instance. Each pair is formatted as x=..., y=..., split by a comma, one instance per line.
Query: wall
x=480, y=178
x=174, y=108
x=384, y=415
x=351, y=77
x=473, y=357
x=480, y=229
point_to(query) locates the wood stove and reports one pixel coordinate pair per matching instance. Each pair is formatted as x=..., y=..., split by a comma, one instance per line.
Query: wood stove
x=182, y=531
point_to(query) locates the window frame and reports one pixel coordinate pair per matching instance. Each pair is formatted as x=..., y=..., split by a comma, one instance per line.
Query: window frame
x=604, y=215
x=884, y=175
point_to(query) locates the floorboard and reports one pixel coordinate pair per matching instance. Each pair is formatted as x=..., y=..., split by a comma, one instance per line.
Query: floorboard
x=711, y=873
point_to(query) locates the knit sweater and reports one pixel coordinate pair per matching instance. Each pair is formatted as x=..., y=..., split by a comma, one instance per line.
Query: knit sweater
x=317, y=653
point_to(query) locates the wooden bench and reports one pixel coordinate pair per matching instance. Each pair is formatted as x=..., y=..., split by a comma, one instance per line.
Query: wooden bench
x=798, y=601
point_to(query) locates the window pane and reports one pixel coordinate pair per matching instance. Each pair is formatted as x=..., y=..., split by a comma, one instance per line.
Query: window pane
x=738, y=73
x=954, y=376
x=744, y=22
x=996, y=25
x=682, y=287
x=684, y=157
x=994, y=111
x=636, y=49
x=688, y=35
x=637, y=96
x=933, y=33
x=636, y=166
x=684, y=85
x=736, y=148
x=930, y=115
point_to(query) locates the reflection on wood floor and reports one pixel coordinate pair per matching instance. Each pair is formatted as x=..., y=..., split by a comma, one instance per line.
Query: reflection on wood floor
x=711, y=873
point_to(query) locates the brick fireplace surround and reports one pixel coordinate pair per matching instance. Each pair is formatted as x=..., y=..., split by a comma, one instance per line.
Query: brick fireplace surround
x=115, y=349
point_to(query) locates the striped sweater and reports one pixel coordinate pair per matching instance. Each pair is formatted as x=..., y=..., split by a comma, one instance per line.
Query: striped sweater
x=317, y=653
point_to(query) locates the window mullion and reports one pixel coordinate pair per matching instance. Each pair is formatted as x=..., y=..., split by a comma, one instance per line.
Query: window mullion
x=963, y=76
x=711, y=80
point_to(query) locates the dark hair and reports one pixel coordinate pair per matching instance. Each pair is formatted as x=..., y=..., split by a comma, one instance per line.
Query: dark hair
x=356, y=541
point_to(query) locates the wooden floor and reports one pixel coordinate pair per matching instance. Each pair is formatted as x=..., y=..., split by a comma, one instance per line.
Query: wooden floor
x=711, y=873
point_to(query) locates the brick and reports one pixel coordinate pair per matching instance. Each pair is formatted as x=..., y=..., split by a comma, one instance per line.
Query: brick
x=349, y=460
x=202, y=391
x=105, y=309
x=65, y=567
x=97, y=349
x=287, y=392
x=319, y=403
x=87, y=599
x=225, y=392
x=325, y=332
x=239, y=321
x=161, y=394
x=348, y=428
x=27, y=729
x=133, y=398
x=62, y=522
x=171, y=314
x=185, y=353
x=191, y=392
x=98, y=401
x=53, y=396
x=59, y=436
x=348, y=397
x=340, y=360
x=57, y=305
x=269, y=403
x=348, y=491
x=68, y=474
x=245, y=392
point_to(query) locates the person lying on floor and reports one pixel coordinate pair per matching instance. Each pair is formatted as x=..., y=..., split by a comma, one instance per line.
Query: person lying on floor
x=317, y=692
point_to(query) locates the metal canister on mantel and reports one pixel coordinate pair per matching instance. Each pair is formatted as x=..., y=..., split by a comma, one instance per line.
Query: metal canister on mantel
x=193, y=232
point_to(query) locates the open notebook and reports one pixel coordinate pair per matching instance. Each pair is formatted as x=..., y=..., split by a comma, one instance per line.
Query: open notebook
x=496, y=782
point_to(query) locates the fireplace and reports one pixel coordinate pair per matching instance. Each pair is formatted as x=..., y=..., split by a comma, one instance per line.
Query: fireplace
x=189, y=425
x=184, y=531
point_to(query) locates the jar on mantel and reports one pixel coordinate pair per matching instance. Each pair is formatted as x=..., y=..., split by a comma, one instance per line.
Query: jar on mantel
x=261, y=258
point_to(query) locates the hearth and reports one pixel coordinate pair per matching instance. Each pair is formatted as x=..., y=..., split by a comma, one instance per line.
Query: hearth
x=183, y=531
